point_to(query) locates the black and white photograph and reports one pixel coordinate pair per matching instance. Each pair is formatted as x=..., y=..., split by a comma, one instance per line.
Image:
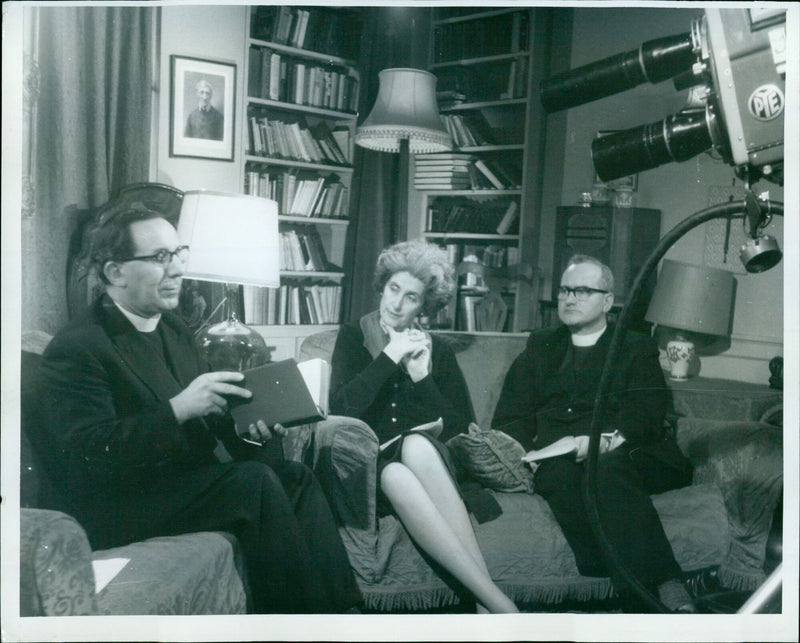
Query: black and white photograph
x=394, y=321
x=202, y=117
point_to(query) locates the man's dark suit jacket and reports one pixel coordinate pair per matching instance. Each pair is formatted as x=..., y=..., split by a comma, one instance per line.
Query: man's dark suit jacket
x=542, y=398
x=206, y=124
x=104, y=393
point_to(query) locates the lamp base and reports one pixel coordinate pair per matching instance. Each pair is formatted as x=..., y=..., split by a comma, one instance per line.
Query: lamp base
x=680, y=353
x=232, y=346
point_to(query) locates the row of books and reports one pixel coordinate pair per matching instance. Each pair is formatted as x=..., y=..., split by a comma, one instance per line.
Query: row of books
x=492, y=255
x=302, y=251
x=279, y=77
x=466, y=130
x=330, y=31
x=490, y=36
x=290, y=304
x=472, y=217
x=460, y=171
x=517, y=79
x=478, y=312
x=316, y=196
x=296, y=141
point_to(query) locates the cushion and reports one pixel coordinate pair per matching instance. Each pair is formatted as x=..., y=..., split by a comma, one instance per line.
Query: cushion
x=492, y=458
x=197, y=573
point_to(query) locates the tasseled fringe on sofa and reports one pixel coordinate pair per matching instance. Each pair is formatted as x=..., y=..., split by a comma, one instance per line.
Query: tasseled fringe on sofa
x=431, y=598
x=416, y=600
x=585, y=589
x=740, y=580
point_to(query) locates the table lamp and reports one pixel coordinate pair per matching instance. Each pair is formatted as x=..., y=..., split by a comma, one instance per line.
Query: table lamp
x=405, y=119
x=693, y=302
x=233, y=238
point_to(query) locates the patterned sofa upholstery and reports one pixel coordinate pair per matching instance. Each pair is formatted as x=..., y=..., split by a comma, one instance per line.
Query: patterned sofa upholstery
x=720, y=522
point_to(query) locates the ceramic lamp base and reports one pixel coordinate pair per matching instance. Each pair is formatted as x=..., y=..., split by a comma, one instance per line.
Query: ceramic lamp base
x=680, y=353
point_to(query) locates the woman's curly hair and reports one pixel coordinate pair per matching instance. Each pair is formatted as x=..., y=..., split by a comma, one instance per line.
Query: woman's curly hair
x=425, y=261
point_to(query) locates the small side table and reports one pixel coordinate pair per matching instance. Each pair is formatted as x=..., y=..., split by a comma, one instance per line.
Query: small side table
x=719, y=399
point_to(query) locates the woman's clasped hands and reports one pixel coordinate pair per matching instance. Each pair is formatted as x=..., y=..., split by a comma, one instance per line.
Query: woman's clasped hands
x=412, y=349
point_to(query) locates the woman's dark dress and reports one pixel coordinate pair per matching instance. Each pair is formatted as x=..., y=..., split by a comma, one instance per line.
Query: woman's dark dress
x=381, y=393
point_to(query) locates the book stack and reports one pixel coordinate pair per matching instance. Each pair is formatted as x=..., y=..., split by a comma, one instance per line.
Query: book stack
x=302, y=251
x=442, y=171
x=276, y=76
x=314, y=196
x=294, y=140
x=290, y=304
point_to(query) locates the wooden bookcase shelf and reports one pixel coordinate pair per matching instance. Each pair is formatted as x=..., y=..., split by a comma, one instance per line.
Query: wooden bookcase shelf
x=299, y=117
x=483, y=60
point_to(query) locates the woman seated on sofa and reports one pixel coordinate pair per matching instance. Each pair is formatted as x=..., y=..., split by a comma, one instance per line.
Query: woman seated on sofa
x=392, y=375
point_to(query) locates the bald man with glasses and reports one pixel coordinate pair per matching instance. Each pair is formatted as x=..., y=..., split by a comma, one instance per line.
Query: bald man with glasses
x=142, y=444
x=549, y=393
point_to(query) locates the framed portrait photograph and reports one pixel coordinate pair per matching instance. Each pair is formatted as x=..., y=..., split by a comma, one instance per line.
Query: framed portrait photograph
x=202, y=108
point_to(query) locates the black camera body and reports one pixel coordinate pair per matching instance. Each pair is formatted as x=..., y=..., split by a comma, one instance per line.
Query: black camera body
x=734, y=60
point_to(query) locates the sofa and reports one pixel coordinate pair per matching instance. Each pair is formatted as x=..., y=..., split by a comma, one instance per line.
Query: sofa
x=720, y=523
x=718, y=526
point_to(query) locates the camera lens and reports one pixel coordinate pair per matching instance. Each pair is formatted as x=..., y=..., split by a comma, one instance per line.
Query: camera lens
x=677, y=138
x=653, y=62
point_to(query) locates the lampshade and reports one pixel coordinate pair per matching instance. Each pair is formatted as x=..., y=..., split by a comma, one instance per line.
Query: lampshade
x=231, y=237
x=405, y=109
x=692, y=298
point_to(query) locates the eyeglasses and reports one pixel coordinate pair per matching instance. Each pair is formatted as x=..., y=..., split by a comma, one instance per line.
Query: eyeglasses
x=162, y=257
x=581, y=292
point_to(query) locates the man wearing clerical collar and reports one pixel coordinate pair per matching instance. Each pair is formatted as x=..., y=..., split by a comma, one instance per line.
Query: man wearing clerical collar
x=205, y=121
x=549, y=394
x=140, y=438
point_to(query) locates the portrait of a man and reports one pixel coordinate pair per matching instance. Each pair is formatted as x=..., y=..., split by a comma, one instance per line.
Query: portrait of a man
x=205, y=121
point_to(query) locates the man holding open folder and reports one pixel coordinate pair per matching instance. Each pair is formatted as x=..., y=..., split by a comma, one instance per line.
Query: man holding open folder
x=135, y=419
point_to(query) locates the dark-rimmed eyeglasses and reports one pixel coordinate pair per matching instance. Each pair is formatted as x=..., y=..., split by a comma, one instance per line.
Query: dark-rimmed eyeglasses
x=581, y=293
x=162, y=257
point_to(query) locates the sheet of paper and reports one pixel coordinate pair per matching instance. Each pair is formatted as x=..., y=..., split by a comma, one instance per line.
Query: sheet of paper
x=105, y=571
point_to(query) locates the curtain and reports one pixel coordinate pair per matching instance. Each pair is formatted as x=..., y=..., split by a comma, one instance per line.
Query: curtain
x=391, y=37
x=88, y=134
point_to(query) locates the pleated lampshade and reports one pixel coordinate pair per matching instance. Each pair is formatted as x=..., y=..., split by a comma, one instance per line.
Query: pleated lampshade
x=405, y=109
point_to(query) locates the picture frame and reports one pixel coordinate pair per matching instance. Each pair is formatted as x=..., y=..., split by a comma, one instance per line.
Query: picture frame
x=202, y=108
x=630, y=182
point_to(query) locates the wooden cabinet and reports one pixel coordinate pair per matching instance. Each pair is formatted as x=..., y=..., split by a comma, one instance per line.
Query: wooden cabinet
x=299, y=117
x=622, y=238
x=479, y=201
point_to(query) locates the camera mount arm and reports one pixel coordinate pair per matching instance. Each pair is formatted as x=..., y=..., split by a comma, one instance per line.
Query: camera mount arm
x=756, y=213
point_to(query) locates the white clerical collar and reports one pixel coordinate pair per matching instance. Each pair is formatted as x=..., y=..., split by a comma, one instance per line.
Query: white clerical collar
x=588, y=340
x=142, y=324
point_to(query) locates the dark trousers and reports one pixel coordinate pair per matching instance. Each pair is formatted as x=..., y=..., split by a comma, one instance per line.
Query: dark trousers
x=625, y=479
x=295, y=559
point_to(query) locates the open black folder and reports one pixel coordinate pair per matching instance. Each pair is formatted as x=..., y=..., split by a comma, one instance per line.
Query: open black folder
x=282, y=394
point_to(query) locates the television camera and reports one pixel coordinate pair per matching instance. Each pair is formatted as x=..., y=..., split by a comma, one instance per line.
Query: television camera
x=734, y=61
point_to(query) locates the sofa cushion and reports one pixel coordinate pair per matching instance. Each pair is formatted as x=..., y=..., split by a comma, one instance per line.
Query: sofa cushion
x=198, y=573
x=492, y=458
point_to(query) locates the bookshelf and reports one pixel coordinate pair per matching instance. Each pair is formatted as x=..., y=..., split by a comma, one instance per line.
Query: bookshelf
x=302, y=85
x=477, y=201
